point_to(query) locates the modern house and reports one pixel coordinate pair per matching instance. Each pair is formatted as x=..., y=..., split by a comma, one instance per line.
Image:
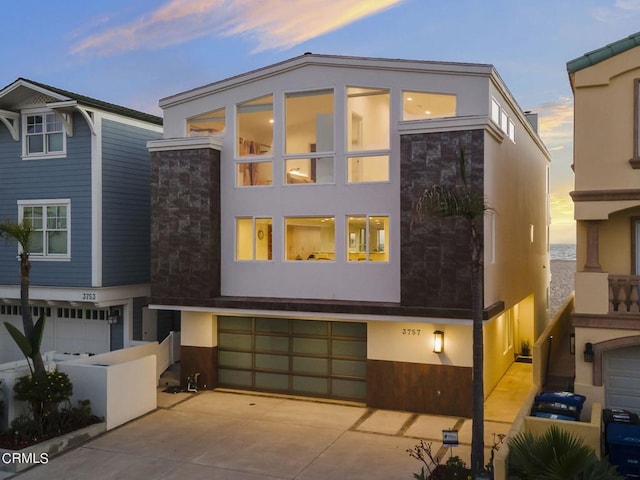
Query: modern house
x=283, y=229
x=78, y=169
x=606, y=88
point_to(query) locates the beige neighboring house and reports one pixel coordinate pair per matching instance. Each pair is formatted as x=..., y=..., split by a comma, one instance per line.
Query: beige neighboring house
x=282, y=211
x=606, y=87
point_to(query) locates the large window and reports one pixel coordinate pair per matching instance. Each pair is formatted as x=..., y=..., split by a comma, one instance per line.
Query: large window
x=208, y=123
x=253, y=238
x=43, y=134
x=367, y=238
x=424, y=105
x=50, y=222
x=310, y=238
x=309, y=145
x=255, y=127
x=368, y=135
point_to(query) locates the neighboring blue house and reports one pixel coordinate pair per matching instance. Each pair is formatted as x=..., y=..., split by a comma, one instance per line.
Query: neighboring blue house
x=78, y=168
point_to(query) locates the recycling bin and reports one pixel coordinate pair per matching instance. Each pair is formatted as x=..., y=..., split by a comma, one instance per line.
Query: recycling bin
x=624, y=448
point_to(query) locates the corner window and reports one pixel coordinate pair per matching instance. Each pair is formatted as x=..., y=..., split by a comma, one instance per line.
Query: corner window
x=50, y=220
x=253, y=238
x=310, y=238
x=425, y=106
x=209, y=123
x=43, y=135
x=367, y=238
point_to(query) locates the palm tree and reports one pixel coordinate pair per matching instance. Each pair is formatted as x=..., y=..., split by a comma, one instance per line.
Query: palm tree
x=442, y=201
x=29, y=343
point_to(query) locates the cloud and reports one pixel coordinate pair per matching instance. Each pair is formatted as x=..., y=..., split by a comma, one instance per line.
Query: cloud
x=270, y=24
x=621, y=9
x=561, y=207
x=556, y=123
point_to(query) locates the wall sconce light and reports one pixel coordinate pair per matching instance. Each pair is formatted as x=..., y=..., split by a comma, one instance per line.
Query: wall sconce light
x=572, y=343
x=438, y=341
x=588, y=352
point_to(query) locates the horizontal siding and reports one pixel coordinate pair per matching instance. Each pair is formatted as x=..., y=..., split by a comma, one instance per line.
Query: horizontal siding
x=126, y=182
x=68, y=177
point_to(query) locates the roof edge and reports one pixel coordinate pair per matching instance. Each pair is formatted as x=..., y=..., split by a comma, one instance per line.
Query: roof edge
x=603, y=53
x=86, y=101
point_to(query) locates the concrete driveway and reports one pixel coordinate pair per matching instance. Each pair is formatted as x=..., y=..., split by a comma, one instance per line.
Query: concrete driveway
x=229, y=436
x=233, y=436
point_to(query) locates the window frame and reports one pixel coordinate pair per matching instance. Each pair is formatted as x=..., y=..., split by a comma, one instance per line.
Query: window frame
x=368, y=251
x=358, y=153
x=635, y=158
x=313, y=155
x=324, y=255
x=45, y=153
x=255, y=233
x=45, y=203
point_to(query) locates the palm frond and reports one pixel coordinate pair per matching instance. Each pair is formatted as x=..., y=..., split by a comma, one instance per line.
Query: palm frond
x=20, y=232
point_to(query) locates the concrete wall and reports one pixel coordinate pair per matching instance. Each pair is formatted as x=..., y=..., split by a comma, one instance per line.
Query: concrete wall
x=118, y=392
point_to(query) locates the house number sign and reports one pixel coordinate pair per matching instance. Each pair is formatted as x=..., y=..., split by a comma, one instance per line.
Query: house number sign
x=411, y=331
x=89, y=296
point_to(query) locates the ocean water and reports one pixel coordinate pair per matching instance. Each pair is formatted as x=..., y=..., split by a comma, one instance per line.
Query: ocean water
x=562, y=251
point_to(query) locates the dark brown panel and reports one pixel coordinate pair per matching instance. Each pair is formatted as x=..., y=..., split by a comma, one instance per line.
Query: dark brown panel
x=185, y=226
x=422, y=388
x=202, y=360
x=436, y=254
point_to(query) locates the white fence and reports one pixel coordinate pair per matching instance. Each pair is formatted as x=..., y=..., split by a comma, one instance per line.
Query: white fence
x=121, y=385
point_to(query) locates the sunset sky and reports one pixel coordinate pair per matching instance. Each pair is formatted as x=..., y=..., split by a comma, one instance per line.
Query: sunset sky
x=134, y=52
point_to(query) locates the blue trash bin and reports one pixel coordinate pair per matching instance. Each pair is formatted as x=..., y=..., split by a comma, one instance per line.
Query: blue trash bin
x=624, y=448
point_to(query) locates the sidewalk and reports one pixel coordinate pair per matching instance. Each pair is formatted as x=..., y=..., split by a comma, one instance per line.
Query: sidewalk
x=229, y=436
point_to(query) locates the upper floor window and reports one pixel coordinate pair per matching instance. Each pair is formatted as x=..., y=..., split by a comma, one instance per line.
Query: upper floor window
x=50, y=222
x=368, y=136
x=208, y=123
x=310, y=238
x=424, y=105
x=43, y=135
x=250, y=174
x=367, y=238
x=309, y=124
x=255, y=127
x=501, y=118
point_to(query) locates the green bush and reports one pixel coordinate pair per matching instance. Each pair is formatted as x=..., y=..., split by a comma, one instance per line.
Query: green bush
x=556, y=455
x=52, y=388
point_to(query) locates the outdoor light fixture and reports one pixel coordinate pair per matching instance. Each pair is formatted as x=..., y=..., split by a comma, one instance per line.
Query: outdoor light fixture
x=588, y=352
x=438, y=341
x=572, y=343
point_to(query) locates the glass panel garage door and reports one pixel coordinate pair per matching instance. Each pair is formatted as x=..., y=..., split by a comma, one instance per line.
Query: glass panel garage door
x=301, y=357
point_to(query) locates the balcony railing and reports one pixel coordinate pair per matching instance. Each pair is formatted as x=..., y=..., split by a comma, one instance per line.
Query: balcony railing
x=623, y=293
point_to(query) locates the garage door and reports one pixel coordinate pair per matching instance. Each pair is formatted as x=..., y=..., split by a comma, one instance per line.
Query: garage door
x=300, y=357
x=622, y=378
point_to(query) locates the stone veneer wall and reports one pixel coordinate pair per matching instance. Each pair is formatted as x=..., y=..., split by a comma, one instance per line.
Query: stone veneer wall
x=185, y=226
x=435, y=254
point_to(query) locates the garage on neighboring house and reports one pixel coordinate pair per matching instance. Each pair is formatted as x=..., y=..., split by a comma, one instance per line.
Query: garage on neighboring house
x=621, y=378
x=292, y=356
x=67, y=330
